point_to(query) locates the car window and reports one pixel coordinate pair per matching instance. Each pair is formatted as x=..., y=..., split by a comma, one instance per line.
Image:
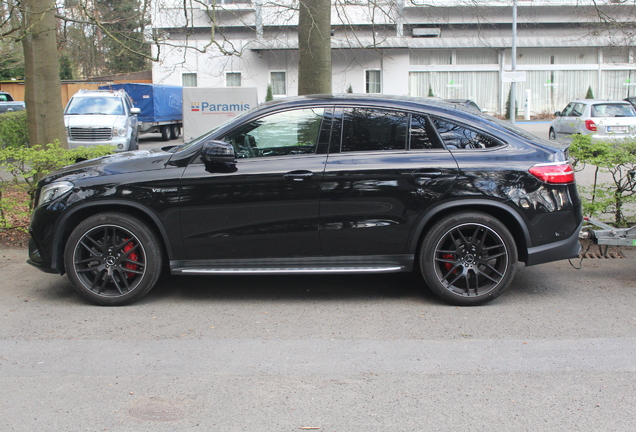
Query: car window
x=283, y=133
x=95, y=106
x=422, y=134
x=368, y=129
x=567, y=110
x=456, y=136
x=612, y=110
x=577, y=110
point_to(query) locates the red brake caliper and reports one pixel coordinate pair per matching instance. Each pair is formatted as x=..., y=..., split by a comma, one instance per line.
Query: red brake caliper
x=133, y=257
x=448, y=266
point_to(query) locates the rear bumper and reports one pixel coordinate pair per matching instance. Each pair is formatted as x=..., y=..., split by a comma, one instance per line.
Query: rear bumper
x=564, y=249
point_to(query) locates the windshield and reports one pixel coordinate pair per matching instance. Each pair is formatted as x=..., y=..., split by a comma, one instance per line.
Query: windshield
x=95, y=106
x=613, y=110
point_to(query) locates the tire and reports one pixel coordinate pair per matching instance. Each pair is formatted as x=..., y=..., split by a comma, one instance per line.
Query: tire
x=175, y=131
x=165, y=133
x=468, y=258
x=112, y=259
x=552, y=134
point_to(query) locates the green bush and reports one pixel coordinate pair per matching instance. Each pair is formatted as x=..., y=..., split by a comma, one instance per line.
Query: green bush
x=13, y=130
x=616, y=158
x=29, y=165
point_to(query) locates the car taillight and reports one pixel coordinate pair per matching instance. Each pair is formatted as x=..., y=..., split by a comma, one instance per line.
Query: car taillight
x=590, y=125
x=553, y=173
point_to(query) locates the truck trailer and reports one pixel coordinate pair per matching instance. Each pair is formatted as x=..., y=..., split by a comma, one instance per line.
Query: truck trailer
x=161, y=107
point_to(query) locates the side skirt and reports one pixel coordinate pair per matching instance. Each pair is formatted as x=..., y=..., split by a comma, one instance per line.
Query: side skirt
x=309, y=265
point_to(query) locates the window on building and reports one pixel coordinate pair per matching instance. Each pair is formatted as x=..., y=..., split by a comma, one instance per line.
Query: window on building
x=365, y=129
x=279, y=83
x=373, y=81
x=233, y=79
x=189, y=79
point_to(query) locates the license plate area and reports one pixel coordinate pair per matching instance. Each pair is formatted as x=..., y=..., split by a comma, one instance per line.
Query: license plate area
x=617, y=129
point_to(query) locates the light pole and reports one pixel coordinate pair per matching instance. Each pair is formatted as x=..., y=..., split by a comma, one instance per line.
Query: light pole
x=513, y=84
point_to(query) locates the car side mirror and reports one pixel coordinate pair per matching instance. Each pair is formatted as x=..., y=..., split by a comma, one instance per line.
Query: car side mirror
x=135, y=111
x=218, y=156
x=557, y=114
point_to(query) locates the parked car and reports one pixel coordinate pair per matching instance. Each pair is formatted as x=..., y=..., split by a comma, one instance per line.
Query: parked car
x=102, y=117
x=603, y=119
x=464, y=102
x=322, y=184
x=8, y=104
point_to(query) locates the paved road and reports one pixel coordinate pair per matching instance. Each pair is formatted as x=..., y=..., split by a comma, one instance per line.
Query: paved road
x=555, y=353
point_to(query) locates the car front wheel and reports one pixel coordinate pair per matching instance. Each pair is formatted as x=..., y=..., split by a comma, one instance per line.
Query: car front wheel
x=468, y=258
x=112, y=259
x=552, y=134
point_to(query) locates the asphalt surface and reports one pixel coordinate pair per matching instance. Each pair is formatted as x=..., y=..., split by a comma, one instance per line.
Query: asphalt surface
x=557, y=352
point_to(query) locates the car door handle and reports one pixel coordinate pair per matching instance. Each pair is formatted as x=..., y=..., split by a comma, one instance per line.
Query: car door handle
x=426, y=174
x=298, y=175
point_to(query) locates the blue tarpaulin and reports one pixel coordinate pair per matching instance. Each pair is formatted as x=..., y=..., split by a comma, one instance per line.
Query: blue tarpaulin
x=157, y=102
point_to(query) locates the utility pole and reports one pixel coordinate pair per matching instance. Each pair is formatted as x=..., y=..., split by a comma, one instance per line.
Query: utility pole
x=513, y=84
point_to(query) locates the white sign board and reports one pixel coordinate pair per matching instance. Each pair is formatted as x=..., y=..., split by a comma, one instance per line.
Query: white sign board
x=205, y=108
x=517, y=76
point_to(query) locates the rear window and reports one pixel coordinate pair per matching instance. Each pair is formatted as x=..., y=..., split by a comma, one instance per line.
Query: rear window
x=613, y=110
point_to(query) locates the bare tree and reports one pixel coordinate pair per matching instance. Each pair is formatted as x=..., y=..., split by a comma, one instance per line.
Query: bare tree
x=314, y=47
x=42, y=80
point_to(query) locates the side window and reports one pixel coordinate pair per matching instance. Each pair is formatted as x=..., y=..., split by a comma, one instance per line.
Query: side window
x=577, y=110
x=422, y=134
x=456, y=136
x=367, y=129
x=567, y=110
x=284, y=133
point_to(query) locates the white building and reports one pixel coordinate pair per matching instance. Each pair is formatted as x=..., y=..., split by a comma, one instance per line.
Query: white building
x=457, y=49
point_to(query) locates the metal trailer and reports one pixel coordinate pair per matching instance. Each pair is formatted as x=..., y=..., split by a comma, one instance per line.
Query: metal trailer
x=609, y=235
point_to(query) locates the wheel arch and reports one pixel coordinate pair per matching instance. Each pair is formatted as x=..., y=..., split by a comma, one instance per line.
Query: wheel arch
x=70, y=220
x=513, y=221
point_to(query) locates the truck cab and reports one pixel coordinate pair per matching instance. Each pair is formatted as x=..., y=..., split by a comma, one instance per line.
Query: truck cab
x=102, y=117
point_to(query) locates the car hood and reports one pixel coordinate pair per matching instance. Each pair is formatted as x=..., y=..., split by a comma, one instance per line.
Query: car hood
x=93, y=121
x=119, y=163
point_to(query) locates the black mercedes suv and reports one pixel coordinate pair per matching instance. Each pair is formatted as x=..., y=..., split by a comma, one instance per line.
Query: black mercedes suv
x=318, y=184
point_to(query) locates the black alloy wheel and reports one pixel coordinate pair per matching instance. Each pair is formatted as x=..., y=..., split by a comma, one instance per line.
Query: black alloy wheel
x=468, y=258
x=112, y=259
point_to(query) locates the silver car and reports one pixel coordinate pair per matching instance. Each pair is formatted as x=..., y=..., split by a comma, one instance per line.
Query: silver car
x=604, y=119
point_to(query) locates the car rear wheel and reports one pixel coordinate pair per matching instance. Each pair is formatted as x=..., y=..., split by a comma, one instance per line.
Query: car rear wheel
x=468, y=258
x=112, y=259
x=552, y=134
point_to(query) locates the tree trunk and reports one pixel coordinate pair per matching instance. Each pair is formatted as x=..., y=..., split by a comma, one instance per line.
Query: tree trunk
x=41, y=71
x=314, y=47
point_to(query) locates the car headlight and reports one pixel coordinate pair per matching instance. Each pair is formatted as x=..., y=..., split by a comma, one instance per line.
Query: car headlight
x=54, y=190
x=121, y=131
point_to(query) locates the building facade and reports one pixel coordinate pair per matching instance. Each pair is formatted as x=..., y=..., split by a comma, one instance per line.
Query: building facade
x=449, y=49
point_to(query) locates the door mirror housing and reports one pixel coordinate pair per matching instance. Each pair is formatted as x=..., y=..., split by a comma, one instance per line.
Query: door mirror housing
x=218, y=152
x=557, y=114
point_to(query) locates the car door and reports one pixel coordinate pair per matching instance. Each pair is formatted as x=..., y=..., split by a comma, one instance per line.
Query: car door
x=570, y=120
x=267, y=205
x=385, y=167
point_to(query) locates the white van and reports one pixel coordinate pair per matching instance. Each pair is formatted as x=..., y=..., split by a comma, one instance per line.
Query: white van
x=102, y=117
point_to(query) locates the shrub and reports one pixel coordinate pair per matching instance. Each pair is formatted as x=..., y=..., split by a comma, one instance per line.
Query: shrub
x=616, y=158
x=589, y=94
x=13, y=130
x=29, y=165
